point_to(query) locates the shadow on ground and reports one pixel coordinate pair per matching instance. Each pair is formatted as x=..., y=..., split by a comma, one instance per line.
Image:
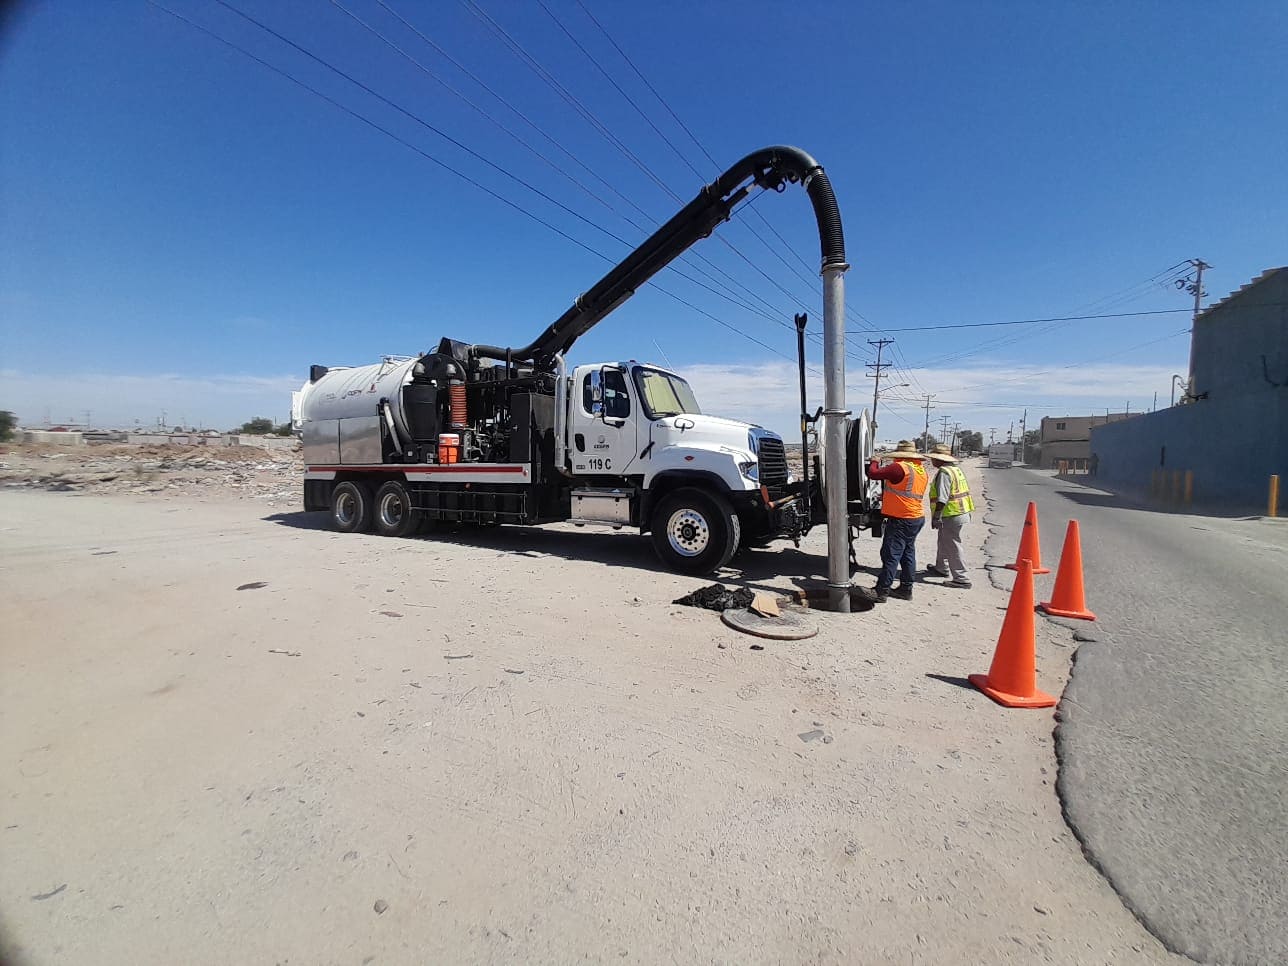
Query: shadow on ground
x=956, y=682
x=754, y=569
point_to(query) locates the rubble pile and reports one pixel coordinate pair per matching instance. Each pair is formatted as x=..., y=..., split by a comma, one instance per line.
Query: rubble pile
x=244, y=472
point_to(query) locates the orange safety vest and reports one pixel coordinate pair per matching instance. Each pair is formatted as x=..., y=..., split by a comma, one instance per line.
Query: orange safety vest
x=903, y=499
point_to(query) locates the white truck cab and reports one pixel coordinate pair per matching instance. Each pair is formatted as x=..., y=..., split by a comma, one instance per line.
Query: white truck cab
x=637, y=437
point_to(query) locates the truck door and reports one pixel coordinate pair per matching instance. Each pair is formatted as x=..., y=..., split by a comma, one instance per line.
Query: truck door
x=604, y=417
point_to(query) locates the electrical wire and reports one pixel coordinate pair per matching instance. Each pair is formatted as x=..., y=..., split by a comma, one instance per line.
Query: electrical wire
x=367, y=89
x=811, y=283
x=598, y=125
x=1072, y=365
x=774, y=313
x=1063, y=318
x=431, y=158
x=675, y=148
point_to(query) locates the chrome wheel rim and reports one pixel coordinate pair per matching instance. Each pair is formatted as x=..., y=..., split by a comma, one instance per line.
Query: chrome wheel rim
x=688, y=533
x=391, y=510
x=346, y=508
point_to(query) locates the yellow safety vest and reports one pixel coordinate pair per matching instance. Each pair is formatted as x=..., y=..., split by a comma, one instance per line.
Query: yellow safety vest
x=959, y=500
x=903, y=499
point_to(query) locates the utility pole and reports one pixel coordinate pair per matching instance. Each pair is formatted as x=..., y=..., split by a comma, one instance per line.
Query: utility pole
x=1024, y=438
x=992, y=434
x=957, y=431
x=925, y=433
x=878, y=368
x=943, y=428
x=1195, y=288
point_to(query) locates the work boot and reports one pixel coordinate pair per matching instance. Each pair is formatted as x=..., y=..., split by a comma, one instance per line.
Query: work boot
x=879, y=594
x=903, y=592
x=959, y=584
x=936, y=572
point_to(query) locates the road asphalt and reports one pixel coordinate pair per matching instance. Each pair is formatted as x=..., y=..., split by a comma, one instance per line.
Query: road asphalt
x=1174, y=724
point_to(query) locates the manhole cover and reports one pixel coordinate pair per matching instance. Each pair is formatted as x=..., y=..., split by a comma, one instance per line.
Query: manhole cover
x=792, y=624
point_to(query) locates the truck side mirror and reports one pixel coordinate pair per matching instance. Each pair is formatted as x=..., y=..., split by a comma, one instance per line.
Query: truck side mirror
x=594, y=393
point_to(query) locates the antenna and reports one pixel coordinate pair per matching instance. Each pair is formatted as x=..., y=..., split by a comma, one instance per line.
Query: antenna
x=662, y=353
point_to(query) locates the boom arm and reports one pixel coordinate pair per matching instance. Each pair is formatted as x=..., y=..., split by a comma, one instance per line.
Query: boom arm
x=772, y=167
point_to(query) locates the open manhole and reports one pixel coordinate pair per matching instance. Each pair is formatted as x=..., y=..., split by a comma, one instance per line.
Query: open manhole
x=819, y=598
x=791, y=624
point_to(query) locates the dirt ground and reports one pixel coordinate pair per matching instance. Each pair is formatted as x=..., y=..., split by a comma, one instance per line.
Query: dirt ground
x=270, y=477
x=230, y=735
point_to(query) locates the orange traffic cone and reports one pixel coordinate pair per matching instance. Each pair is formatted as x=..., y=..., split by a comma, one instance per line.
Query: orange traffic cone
x=1068, y=598
x=1030, y=547
x=1012, y=680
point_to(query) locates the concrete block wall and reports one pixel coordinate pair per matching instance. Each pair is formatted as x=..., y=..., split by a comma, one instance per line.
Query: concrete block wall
x=1232, y=446
x=52, y=438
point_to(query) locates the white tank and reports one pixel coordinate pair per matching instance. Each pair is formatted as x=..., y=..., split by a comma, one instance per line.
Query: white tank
x=348, y=393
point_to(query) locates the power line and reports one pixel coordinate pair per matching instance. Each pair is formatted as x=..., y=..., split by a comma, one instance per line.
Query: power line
x=774, y=314
x=1071, y=365
x=810, y=282
x=1062, y=318
x=603, y=129
x=1051, y=326
x=569, y=98
x=367, y=89
x=658, y=131
x=431, y=158
x=420, y=120
x=618, y=87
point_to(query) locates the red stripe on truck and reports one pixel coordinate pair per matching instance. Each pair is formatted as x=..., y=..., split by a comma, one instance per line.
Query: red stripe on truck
x=415, y=468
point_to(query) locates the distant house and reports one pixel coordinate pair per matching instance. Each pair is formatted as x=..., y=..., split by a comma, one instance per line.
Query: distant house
x=1230, y=432
x=1067, y=439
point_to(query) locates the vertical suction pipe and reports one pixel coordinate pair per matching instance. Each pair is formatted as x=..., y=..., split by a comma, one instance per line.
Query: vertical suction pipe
x=834, y=413
x=561, y=412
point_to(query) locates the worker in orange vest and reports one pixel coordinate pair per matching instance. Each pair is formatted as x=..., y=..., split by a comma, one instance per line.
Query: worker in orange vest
x=904, y=480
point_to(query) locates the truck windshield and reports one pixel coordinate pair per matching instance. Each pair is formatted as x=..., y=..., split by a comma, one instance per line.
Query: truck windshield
x=664, y=394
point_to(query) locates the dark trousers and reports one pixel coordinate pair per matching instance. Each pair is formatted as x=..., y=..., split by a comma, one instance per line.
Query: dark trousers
x=899, y=551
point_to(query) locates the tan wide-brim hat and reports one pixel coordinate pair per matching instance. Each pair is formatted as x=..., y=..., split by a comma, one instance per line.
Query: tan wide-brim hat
x=942, y=454
x=905, y=451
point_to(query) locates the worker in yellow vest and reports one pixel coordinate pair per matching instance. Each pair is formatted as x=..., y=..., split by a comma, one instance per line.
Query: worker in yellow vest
x=950, y=509
x=904, y=480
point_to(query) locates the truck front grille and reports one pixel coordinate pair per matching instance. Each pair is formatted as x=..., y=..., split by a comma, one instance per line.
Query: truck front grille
x=773, y=462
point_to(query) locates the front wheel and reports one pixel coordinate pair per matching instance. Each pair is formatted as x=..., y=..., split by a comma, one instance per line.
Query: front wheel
x=695, y=532
x=394, y=515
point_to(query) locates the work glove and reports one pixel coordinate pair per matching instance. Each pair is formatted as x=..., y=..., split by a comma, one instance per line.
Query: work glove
x=934, y=523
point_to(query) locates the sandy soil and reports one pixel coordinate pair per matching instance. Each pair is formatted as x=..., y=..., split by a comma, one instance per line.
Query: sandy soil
x=223, y=473
x=503, y=746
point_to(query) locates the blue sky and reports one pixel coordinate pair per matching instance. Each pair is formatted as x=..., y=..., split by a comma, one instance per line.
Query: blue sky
x=184, y=230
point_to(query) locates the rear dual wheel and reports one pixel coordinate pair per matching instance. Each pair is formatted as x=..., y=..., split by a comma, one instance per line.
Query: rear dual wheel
x=394, y=514
x=390, y=512
x=351, y=507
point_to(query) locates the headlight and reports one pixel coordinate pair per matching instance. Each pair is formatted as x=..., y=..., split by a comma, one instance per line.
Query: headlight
x=751, y=470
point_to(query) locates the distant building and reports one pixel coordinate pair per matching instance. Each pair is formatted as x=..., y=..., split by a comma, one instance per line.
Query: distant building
x=1230, y=431
x=1068, y=439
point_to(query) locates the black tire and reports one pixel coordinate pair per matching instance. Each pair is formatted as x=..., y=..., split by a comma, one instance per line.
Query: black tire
x=351, y=507
x=392, y=512
x=695, y=531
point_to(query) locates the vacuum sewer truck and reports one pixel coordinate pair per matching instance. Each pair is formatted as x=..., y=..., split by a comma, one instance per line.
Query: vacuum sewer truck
x=480, y=434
